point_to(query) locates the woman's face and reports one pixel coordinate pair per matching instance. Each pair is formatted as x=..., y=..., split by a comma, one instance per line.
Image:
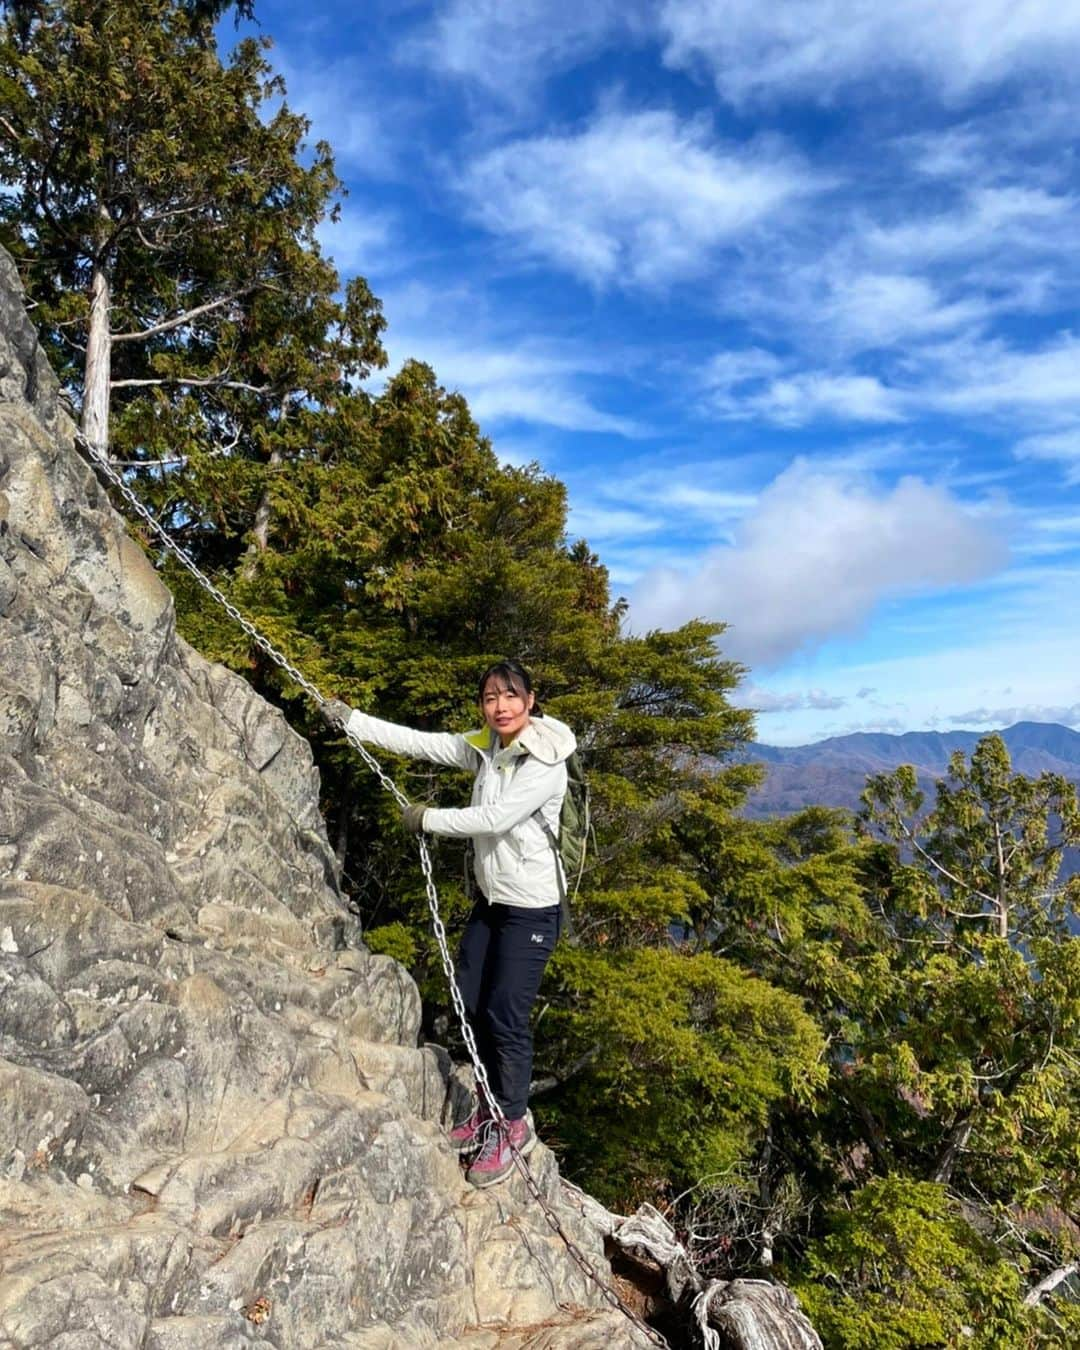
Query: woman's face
x=506, y=711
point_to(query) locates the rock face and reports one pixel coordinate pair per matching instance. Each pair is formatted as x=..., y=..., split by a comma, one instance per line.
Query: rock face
x=217, y=1129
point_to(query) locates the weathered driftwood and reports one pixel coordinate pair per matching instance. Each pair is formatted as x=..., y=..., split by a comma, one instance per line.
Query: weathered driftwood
x=1035, y=1295
x=756, y=1315
x=728, y=1314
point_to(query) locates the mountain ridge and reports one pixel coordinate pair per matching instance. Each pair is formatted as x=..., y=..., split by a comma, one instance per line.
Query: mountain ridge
x=833, y=772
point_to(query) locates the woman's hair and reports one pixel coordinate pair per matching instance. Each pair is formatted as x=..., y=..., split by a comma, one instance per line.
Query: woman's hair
x=512, y=674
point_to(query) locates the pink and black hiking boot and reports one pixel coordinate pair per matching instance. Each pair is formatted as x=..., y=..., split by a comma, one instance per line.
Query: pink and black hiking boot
x=495, y=1160
x=469, y=1135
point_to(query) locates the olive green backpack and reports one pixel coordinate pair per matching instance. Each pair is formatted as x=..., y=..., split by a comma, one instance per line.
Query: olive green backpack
x=572, y=843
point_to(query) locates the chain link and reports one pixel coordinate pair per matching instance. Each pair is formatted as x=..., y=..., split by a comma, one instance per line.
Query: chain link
x=101, y=462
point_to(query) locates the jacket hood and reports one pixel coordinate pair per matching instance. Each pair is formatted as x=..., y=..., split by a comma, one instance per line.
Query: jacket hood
x=545, y=738
x=548, y=740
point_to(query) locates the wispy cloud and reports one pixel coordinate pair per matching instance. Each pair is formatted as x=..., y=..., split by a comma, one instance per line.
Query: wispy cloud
x=808, y=396
x=335, y=95
x=816, y=556
x=361, y=240
x=506, y=378
x=647, y=518
x=985, y=220
x=635, y=197
x=1068, y=716
x=509, y=49
x=1062, y=446
x=818, y=47
x=969, y=376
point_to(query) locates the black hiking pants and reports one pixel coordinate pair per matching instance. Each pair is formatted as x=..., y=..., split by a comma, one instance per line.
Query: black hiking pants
x=501, y=961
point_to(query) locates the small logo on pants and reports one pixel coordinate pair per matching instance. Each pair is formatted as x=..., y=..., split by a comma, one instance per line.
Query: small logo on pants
x=536, y=937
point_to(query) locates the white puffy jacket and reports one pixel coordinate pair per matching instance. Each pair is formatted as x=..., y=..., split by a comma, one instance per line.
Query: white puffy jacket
x=514, y=861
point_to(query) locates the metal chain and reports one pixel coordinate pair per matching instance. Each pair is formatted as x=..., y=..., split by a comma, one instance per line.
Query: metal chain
x=264, y=644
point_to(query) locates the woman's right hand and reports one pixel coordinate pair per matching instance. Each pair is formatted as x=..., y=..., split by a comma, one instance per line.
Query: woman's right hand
x=335, y=713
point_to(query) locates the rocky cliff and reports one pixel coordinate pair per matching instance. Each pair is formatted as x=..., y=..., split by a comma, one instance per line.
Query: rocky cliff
x=217, y=1128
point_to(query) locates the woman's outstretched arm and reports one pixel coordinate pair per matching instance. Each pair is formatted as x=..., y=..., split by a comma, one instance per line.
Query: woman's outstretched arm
x=439, y=747
x=534, y=784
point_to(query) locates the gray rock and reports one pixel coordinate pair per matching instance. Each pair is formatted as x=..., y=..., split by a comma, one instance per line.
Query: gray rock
x=218, y=1130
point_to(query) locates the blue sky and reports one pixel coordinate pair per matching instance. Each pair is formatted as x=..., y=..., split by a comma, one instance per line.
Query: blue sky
x=785, y=294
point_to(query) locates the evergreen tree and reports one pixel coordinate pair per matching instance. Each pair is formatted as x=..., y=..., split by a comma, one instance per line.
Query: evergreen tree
x=163, y=219
x=935, y=952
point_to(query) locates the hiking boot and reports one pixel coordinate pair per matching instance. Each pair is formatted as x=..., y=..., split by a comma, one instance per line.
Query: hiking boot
x=495, y=1160
x=469, y=1134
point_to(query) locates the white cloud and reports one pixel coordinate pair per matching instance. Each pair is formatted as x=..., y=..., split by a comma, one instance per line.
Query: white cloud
x=899, y=275
x=816, y=47
x=640, y=197
x=814, y=559
x=727, y=371
x=541, y=397
x=880, y=309
x=969, y=376
x=990, y=377
x=993, y=219
x=336, y=97
x=768, y=701
x=706, y=491
x=596, y=522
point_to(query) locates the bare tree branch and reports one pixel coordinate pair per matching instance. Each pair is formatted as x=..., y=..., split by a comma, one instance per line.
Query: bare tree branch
x=949, y=876
x=179, y=320
x=1034, y=1295
x=553, y=1080
x=212, y=383
x=147, y=243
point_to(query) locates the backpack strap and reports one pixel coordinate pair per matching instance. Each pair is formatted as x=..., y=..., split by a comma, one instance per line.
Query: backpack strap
x=564, y=899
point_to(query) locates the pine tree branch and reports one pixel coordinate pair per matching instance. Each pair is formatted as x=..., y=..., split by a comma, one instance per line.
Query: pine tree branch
x=147, y=243
x=156, y=218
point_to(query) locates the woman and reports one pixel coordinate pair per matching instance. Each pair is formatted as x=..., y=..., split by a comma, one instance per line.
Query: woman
x=519, y=757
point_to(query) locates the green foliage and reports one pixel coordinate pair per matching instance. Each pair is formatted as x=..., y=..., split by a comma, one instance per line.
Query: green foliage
x=393, y=939
x=688, y=1054
x=935, y=954
x=988, y=854
x=901, y=1268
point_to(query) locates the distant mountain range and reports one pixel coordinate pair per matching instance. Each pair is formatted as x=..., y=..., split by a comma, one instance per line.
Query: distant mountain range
x=834, y=772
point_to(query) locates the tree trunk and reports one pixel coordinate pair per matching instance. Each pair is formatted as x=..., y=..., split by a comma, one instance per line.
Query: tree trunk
x=95, y=409
x=735, y=1314
x=1002, y=891
x=261, y=529
x=955, y=1144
